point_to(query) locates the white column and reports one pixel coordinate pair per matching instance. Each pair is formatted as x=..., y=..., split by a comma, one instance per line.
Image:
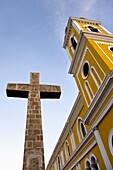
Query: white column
x=102, y=149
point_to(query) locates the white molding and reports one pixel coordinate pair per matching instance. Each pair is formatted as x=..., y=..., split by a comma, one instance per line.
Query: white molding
x=102, y=150
x=92, y=155
x=103, y=113
x=79, y=51
x=69, y=55
x=89, y=148
x=77, y=127
x=81, y=122
x=93, y=27
x=81, y=146
x=105, y=85
x=62, y=156
x=89, y=92
x=105, y=43
x=79, y=67
x=76, y=26
x=87, y=159
x=109, y=48
x=109, y=141
x=72, y=139
x=86, y=61
x=78, y=106
x=93, y=77
x=105, y=29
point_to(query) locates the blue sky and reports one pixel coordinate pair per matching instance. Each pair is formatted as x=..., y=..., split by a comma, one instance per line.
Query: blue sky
x=31, y=38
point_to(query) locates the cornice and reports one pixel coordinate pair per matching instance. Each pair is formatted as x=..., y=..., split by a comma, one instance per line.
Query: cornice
x=84, y=35
x=87, y=21
x=78, y=53
x=99, y=98
x=67, y=127
x=67, y=32
x=80, y=148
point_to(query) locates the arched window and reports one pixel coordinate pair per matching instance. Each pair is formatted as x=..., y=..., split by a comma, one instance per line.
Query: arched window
x=73, y=43
x=59, y=163
x=94, y=163
x=61, y=156
x=88, y=165
x=93, y=29
x=68, y=153
x=83, y=129
x=110, y=141
x=72, y=139
x=110, y=48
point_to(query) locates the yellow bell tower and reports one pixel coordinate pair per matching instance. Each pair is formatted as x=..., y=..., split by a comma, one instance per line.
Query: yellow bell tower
x=90, y=49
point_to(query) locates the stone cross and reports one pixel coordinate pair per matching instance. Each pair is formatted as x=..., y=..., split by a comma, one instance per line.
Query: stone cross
x=33, y=147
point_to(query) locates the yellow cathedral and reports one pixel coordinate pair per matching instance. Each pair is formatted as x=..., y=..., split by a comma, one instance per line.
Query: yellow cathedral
x=86, y=142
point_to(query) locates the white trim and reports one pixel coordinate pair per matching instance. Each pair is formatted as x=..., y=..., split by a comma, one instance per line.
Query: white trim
x=70, y=44
x=86, y=87
x=102, y=150
x=82, y=69
x=81, y=129
x=76, y=26
x=105, y=43
x=55, y=165
x=92, y=27
x=72, y=139
x=86, y=161
x=67, y=50
x=62, y=156
x=80, y=158
x=66, y=150
x=77, y=127
x=105, y=29
x=92, y=155
x=109, y=141
x=80, y=65
x=102, y=93
x=79, y=167
x=93, y=77
x=81, y=147
x=83, y=92
x=103, y=112
x=110, y=47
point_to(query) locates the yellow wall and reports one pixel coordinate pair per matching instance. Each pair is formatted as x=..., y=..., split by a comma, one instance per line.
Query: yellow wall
x=84, y=27
x=104, y=129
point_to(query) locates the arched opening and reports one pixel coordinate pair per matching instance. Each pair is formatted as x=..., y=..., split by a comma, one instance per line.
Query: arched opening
x=94, y=163
x=59, y=163
x=83, y=129
x=93, y=29
x=68, y=153
x=85, y=69
x=73, y=43
x=88, y=165
x=110, y=48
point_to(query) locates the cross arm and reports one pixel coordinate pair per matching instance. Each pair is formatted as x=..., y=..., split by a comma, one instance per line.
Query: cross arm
x=49, y=91
x=17, y=90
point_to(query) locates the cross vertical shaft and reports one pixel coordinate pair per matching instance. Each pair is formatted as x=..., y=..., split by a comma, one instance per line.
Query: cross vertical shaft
x=33, y=147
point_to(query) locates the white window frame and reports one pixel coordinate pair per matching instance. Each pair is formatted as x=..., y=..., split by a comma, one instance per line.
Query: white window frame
x=109, y=141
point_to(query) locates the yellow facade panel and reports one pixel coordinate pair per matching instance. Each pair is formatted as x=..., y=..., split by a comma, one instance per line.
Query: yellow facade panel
x=103, y=52
x=104, y=129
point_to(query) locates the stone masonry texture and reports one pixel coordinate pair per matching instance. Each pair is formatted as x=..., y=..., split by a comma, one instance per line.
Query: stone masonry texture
x=33, y=147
